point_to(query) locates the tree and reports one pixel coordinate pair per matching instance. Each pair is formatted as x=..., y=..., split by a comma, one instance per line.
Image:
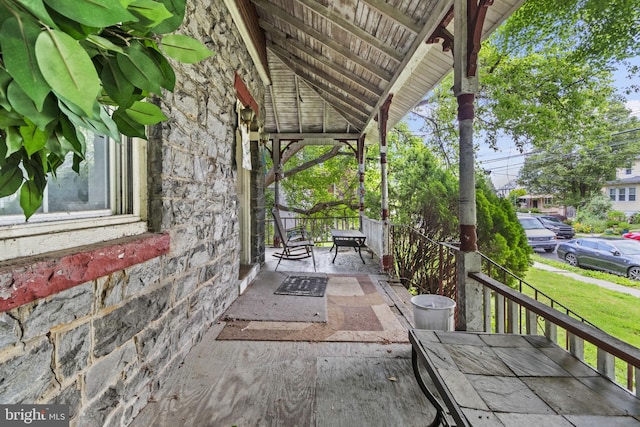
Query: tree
x=578, y=168
x=63, y=63
x=423, y=193
x=319, y=180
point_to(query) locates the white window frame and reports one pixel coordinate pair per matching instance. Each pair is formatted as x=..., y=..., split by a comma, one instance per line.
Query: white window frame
x=58, y=231
x=632, y=194
x=622, y=195
x=612, y=194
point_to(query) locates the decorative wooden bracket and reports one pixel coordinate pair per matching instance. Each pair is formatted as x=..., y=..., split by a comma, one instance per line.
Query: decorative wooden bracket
x=441, y=33
x=476, y=13
x=383, y=117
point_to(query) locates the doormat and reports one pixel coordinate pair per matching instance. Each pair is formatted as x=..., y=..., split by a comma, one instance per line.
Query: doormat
x=303, y=286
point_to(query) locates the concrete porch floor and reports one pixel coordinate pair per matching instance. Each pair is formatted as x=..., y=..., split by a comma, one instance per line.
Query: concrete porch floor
x=283, y=383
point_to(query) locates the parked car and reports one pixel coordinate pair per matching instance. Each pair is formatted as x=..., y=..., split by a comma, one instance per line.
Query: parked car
x=538, y=236
x=635, y=235
x=562, y=230
x=618, y=256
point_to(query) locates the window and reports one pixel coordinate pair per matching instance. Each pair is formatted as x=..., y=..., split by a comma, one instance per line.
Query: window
x=102, y=202
x=612, y=194
x=621, y=194
x=632, y=194
x=628, y=169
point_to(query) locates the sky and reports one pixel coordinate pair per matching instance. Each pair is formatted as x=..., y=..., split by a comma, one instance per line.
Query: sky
x=505, y=163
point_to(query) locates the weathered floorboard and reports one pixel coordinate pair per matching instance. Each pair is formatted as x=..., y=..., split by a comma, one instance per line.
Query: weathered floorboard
x=252, y=383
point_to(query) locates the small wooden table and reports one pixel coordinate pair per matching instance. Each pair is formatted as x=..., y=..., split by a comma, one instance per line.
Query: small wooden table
x=515, y=380
x=347, y=238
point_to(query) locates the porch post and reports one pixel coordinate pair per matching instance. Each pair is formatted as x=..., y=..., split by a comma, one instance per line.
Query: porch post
x=360, y=154
x=469, y=17
x=276, y=169
x=383, y=116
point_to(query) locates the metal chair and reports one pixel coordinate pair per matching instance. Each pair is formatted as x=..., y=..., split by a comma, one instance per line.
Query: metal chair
x=294, y=242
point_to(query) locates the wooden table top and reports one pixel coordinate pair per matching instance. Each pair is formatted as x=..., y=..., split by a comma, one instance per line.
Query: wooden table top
x=353, y=234
x=519, y=380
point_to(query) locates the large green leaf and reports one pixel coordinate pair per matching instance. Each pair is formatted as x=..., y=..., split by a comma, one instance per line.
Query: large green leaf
x=10, y=118
x=13, y=140
x=145, y=113
x=140, y=68
x=5, y=79
x=68, y=69
x=104, y=43
x=177, y=8
x=97, y=13
x=102, y=125
x=24, y=105
x=128, y=126
x=18, y=40
x=115, y=84
x=168, y=75
x=30, y=198
x=33, y=138
x=150, y=13
x=37, y=8
x=10, y=178
x=184, y=49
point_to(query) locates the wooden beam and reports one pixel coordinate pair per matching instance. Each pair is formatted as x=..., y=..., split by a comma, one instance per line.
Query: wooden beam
x=415, y=54
x=349, y=27
x=281, y=39
x=313, y=82
x=311, y=135
x=301, y=65
x=298, y=109
x=394, y=14
x=275, y=108
x=321, y=38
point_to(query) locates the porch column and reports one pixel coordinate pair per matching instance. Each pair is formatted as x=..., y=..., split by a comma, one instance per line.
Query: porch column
x=360, y=155
x=383, y=116
x=469, y=17
x=275, y=154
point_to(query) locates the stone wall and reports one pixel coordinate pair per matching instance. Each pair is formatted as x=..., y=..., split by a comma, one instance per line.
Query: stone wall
x=105, y=344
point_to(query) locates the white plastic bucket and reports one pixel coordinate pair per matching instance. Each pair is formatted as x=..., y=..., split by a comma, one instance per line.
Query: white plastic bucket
x=434, y=312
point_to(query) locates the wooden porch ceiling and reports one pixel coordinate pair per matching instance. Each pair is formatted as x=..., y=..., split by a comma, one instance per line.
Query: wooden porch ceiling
x=330, y=64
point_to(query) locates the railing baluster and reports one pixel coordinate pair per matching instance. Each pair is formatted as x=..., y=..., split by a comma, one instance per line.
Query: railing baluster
x=513, y=317
x=606, y=364
x=637, y=376
x=499, y=303
x=532, y=322
x=551, y=330
x=576, y=346
x=486, y=295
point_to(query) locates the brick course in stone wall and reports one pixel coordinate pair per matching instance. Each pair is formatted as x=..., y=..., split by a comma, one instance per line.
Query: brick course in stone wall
x=104, y=343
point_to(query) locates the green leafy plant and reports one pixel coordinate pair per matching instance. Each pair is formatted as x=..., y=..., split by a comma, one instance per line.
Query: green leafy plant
x=66, y=65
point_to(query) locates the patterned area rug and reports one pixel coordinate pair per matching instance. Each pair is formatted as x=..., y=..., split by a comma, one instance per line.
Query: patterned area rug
x=357, y=312
x=303, y=286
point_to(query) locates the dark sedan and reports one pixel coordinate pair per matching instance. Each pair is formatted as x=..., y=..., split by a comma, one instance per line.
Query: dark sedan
x=620, y=256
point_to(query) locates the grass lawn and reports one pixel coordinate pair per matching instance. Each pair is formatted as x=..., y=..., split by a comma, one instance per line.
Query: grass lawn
x=615, y=313
x=613, y=278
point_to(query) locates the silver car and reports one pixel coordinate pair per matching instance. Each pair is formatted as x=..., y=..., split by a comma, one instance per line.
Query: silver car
x=618, y=256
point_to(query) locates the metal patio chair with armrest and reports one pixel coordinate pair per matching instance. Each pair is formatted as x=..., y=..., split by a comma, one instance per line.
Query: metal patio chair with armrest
x=295, y=244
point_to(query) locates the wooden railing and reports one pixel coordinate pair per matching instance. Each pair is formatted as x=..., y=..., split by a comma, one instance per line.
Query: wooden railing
x=506, y=305
x=373, y=230
x=318, y=228
x=496, y=271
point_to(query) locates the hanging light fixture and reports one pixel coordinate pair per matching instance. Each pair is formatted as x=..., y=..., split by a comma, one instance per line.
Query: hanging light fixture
x=246, y=115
